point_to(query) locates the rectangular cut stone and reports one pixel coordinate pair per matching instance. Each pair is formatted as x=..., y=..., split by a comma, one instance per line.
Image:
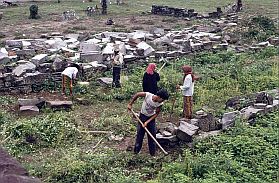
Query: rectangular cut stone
x=91, y=57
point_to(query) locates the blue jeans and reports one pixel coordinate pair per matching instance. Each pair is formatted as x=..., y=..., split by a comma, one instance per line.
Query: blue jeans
x=140, y=135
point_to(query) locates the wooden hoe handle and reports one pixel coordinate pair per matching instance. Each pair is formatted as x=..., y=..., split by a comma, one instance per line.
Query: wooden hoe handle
x=165, y=152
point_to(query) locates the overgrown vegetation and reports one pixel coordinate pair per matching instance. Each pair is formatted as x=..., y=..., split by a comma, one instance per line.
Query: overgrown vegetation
x=242, y=154
x=260, y=28
x=52, y=147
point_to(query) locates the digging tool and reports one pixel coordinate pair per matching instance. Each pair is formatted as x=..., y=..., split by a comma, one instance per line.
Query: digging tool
x=165, y=152
x=165, y=62
x=172, y=107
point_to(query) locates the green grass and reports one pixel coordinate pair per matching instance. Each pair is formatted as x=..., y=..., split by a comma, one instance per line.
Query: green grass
x=51, y=9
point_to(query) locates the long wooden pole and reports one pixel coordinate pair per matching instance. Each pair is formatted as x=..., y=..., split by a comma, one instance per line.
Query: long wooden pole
x=165, y=152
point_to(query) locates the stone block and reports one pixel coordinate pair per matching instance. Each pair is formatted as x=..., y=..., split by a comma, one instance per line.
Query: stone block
x=29, y=110
x=23, y=68
x=39, y=102
x=228, y=119
x=91, y=57
x=186, y=131
x=105, y=81
x=39, y=59
x=60, y=105
x=148, y=50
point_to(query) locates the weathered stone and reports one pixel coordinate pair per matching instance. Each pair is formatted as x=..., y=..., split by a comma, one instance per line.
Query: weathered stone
x=60, y=105
x=91, y=56
x=251, y=112
x=148, y=50
x=105, y=81
x=39, y=59
x=203, y=135
x=25, y=53
x=4, y=58
x=29, y=110
x=23, y=68
x=169, y=140
x=39, y=102
x=229, y=118
x=14, y=43
x=166, y=134
x=263, y=44
x=260, y=106
x=274, y=41
x=86, y=47
x=34, y=78
x=59, y=65
x=186, y=131
x=264, y=97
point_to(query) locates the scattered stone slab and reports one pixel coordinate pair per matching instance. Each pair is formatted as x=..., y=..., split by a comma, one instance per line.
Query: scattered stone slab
x=39, y=102
x=23, y=68
x=91, y=57
x=186, y=131
x=39, y=59
x=105, y=81
x=167, y=140
x=29, y=110
x=228, y=119
x=60, y=105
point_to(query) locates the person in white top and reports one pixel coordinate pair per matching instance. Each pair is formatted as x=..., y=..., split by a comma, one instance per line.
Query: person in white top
x=116, y=68
x=150, y=109
x=188, y=91
x=68, y=76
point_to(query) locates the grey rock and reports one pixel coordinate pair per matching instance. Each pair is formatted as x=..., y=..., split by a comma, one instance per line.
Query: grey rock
x=186, y=131
x=39, y=59
x=60, y=105
x=59, y=65
x=229, y=118
x=260, y=105
x=23, y=68
x=14, y=43
x=105, y=81
x=39, y=102
x=91, y=56
x=29, y=110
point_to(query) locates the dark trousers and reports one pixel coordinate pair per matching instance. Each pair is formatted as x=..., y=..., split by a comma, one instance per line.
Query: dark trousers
x=116, y=76
x=140, y=135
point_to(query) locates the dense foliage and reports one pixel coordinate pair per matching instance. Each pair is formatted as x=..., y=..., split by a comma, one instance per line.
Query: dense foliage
x=242, y=154
x=52, y=147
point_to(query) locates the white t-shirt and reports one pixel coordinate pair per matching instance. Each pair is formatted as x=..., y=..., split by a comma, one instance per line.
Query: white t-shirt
x=71, y=72
x=148, y=107
x=188, y=86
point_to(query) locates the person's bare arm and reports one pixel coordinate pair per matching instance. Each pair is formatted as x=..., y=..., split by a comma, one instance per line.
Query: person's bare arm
x=134, y=98
x=158, y=110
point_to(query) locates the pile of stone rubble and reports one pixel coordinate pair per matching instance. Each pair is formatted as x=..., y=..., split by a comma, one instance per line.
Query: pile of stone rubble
x=182, y=12
x=205, y=124
x=25, y=62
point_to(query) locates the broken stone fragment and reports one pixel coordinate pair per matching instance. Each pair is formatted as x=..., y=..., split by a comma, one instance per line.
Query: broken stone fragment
x=60, y=105
x=148, y=50
x=29, y=110
x=91, y=56
x=39, y=102
x=105, y=81
x=228, y=119
x=39, y=59
x=23, y=68
x=186, y=131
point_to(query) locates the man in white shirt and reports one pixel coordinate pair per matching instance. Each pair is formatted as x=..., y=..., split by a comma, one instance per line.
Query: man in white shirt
x=150, y=109
x=68, y=75
x=116, y=68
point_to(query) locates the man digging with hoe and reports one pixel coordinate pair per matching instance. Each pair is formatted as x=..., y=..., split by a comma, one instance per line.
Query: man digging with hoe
x=150, y=109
